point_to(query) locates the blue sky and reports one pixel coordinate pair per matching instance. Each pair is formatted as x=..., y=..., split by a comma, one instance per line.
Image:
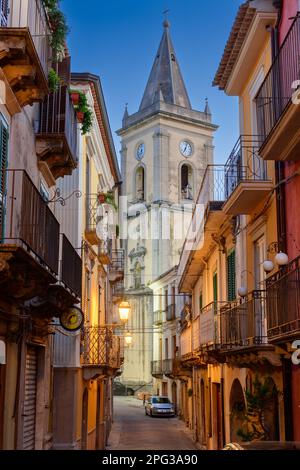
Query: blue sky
x=118, y=40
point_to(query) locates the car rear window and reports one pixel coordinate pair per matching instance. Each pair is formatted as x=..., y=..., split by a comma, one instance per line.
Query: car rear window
x=160, y=400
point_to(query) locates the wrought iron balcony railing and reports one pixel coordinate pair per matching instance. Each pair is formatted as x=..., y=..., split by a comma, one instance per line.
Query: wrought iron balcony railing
x=276, y=92
x=170, y=313
x=71, y=267
x=26, y=219
x=30, y=14
x=168, y=366
x=244, y=164
x=58, y=122
x=157, y=368
x=208, y=332
x=101, y=348
x=244, y=324
x=158, y=317
x=118, y=289
x=283, y=301
x=116, y=267
x=212, y=191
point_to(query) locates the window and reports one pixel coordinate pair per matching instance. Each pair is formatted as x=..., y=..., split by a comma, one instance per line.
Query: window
x=140, y=183
x=44, y=191
x=187, y=182
x=215, y=286
x=166, y=348
x=231, y=277
x=4, y=135
x=200, y=302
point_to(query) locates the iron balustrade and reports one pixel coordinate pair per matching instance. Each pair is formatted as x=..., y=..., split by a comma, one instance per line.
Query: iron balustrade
x=167, y=366
x=283, y=301
x=244, y=324
x=244, y=164
x=117, y=261
x=92, y=215
x=158, y=317
x=58, y=118
x=157, y=368
x=99, y=347
x=31, y=14
x=71, y=267
x=209, y=325
x=26, y=219
x=212, y=191
x=170, y=312
x=276, y=92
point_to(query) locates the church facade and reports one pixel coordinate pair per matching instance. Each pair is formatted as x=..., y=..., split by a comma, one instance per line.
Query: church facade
x=166, y=147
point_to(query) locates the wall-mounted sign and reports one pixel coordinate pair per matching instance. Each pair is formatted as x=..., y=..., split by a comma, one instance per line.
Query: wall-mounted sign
x=72, y=319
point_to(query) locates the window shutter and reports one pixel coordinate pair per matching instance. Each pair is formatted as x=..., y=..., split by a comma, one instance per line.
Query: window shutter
x=4, y=12
x=231, y=277
x=215, y=285
x=3, y=166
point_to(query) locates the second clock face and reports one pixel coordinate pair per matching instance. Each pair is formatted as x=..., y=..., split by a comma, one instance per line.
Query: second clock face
x=186, y=148
x=140, y=152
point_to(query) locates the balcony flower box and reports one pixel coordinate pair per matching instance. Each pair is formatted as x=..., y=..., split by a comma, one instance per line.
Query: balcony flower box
x=75, y=96
x=80, y=116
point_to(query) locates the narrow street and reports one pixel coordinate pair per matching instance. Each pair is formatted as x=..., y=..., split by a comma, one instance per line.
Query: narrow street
x=132, y=430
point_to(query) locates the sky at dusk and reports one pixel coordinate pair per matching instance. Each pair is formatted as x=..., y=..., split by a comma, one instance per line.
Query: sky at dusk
x=118, y=40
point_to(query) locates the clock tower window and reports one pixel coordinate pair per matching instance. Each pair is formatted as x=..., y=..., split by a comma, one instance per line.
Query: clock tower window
x=140, y=184
x=186, y=182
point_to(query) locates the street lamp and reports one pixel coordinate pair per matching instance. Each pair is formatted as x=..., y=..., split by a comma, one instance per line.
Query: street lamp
x=124, y=311
x=128, y=339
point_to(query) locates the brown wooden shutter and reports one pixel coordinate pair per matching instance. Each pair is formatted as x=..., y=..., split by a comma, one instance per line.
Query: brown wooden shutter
x=3, y=166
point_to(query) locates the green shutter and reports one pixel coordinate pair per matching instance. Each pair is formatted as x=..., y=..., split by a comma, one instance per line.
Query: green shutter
x=201, y=301
x=3, y=166
x=215, y=285
x=231, y=277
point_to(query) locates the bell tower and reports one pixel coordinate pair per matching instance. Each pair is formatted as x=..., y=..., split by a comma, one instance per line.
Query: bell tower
x=165, y=148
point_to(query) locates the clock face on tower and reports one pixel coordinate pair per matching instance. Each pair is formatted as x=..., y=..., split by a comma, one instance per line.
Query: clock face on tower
x=140, y=152
x=186, y=148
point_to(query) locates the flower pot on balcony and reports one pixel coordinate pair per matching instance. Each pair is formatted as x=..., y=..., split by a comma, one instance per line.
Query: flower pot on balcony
x=101, y=198
x=75, y=98
x=80, y=116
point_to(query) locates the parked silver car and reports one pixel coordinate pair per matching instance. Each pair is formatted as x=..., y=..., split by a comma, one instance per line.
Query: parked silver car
x=159, y=406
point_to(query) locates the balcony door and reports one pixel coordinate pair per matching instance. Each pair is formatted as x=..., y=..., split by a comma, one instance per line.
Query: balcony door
x=260, y=252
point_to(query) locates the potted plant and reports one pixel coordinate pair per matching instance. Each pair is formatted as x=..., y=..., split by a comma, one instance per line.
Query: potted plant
x=59, y=28
x=107, y=198
x=53, y=81
x=75, y=97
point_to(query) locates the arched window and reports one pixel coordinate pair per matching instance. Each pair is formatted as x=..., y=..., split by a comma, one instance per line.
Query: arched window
x=137, y=276
x=187, y=182
x=140, y=184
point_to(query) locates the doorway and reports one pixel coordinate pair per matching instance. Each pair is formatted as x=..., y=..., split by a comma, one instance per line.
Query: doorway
x=84, y=421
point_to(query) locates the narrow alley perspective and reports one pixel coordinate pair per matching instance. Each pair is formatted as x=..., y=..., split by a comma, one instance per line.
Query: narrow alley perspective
x=133, y=430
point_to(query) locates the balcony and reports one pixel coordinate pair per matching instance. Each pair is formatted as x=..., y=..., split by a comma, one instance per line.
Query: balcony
x=277, y=102
x=101, y=352
x=157, y=369
x=56, y=139
x=170, y=313
x=209, y=327
x=117, y=291
x=116, y=268
x=25, y=52
x=168, y=367
x=283, y=303
x=243, y=332
x=105, y=251
x=29, y=249
x=92, y=219
x=246, y=181
x=158, y=317
x=71, y=268
x=206, y=221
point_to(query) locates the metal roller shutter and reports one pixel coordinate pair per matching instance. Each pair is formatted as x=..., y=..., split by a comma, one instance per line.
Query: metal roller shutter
x=29, y=412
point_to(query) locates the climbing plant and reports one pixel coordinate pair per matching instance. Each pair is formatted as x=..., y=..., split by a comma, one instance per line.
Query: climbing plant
x=59, y=27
